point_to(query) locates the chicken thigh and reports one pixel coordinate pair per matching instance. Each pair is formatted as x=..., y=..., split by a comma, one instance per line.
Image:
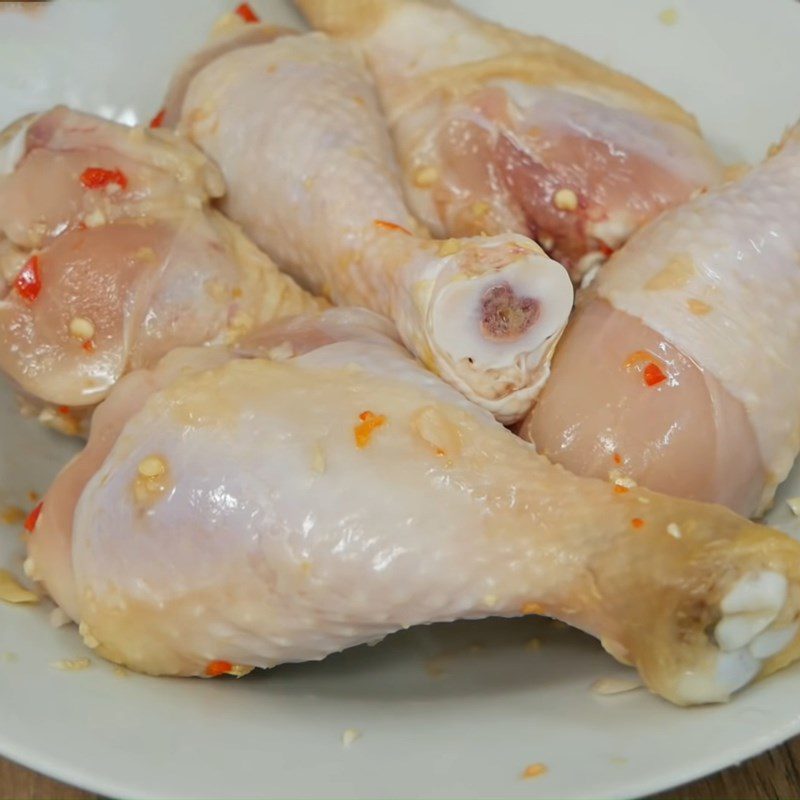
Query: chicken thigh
x=501, y=131
x=296, y=128
x=232, y=512
x=680, y=367
x=111, y=256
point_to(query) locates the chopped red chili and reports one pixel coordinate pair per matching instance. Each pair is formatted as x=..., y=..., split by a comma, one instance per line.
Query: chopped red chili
x=637, y=522
x=216, y=668
x=605, y=249
x=653, y=374
x=32, y=518
x=246, y=13
x=158, y=119
x=88, y=346
x=99, y=178
x=29, y=281
x=391, y=226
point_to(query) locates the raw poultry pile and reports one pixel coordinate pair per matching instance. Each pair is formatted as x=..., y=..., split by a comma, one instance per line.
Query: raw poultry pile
x=269, y=479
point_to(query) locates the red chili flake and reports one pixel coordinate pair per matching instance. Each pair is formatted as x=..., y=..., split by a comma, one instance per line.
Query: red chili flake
x=63, y=409
x=88, y=346
x=391, y=226
x=32, y=518
x=637, y=522
x=653, y=374
x=617, y=458
x=99, y=178
x=158, y=119
x=246, y=13
x=216, y=668
x=29, y=281
x=369, y=422
x=605, y=249
x=620, y=489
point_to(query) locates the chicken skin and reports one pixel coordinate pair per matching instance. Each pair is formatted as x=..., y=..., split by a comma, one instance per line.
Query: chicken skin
x=110, y=256
x=296, y=128
x=680, y=365
x=233, y=511
x=501, y=131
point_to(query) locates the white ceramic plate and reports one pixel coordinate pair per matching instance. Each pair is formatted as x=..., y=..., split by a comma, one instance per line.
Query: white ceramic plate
x=448, y=711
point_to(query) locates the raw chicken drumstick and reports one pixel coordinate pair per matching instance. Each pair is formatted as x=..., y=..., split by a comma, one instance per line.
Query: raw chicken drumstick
x=232, y=512
x=110, y=257
x=681, y=364
x=501, y=131
x=296, y=129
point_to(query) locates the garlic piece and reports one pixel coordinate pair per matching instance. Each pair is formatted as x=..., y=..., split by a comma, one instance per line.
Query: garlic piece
x=433, y=427
x=12, y=591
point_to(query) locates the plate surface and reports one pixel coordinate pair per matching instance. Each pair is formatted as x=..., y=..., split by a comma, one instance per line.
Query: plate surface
x=448, y=711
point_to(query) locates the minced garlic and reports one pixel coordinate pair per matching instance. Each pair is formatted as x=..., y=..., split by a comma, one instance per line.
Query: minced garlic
x=674, y=530
x=152, y=480
x=448, y=247
x=349, y=736
x=81, y=328
x=565, y=200
x=698, y=307
x=532, y=608
x=58, y=618
x=152, y=467
x=11, y=591
x=94, y=219
x=318, y=461
x=606, y=686
x=534, y=771
x=88, y=638
x=71, y=664
x=669, y=16
x=436, y=431
x=12, y=515
x=426, y=176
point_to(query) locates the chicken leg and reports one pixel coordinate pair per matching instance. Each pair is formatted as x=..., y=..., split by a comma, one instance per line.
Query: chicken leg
x=232, y=512
x=296, y=128
x=501, y=131
x=110, y=256
x=681, y=364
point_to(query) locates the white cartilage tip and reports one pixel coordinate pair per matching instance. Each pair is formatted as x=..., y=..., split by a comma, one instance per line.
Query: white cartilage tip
x=744, y=638
x=758, y=592
x=738, y=630
x=715, y=681
x=771, y=642
x=735, y=670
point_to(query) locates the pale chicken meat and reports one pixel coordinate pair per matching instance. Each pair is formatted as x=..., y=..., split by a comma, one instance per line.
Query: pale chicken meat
x=680, y=366
x=501, y=131
x=232, y=511
x=296, y=128
x=111, y=256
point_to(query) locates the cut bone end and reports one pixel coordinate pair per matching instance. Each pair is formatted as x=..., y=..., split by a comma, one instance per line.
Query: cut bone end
x=498, y=328
x=506, y=317
x=756, y=624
